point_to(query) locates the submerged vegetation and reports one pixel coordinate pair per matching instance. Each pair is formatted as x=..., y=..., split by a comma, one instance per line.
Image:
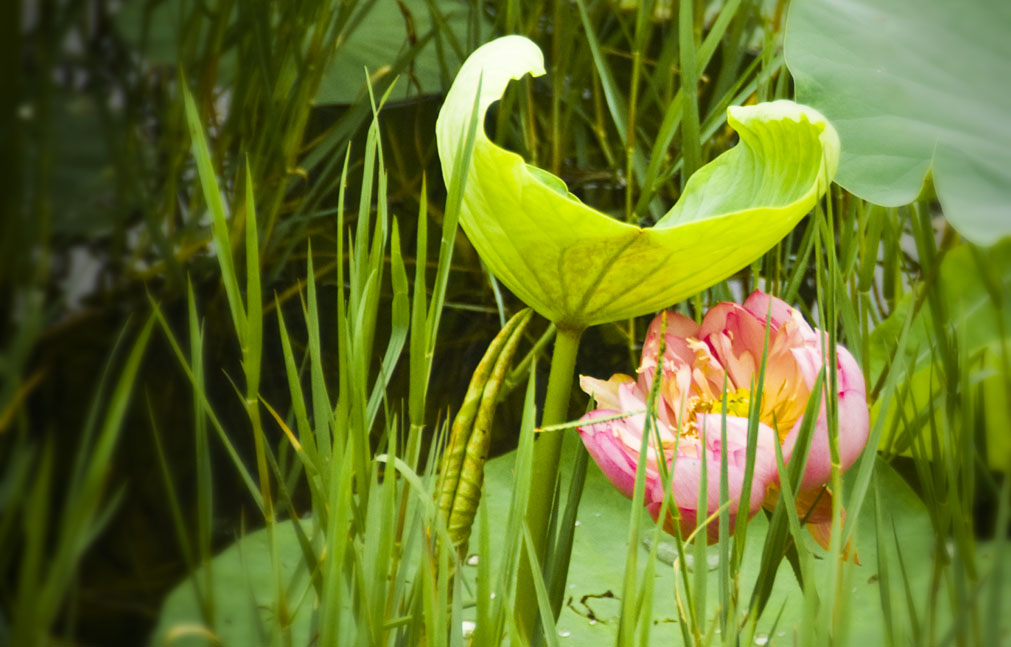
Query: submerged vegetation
x=250, y=274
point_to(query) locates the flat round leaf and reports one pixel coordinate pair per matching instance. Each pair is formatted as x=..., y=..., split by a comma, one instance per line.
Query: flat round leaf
x=592, y=604
x=915, y=89
x=243, y=596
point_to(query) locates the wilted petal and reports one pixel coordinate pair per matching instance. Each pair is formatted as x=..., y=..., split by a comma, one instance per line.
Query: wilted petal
x=814, y=508
x=814, y=505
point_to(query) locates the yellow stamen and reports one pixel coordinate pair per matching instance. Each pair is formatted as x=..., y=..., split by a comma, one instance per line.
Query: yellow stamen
x=738, y=405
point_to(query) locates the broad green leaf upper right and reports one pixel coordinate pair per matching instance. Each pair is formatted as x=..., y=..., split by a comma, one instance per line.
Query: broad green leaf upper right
x=918, y=90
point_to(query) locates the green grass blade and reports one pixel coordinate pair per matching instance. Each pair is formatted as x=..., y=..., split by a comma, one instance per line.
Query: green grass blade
x=212, y=196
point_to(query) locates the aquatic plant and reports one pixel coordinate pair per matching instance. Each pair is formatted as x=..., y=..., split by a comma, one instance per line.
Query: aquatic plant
x=706, y=375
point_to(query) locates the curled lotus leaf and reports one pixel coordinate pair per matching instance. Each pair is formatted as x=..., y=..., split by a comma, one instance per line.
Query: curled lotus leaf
x=578, y=266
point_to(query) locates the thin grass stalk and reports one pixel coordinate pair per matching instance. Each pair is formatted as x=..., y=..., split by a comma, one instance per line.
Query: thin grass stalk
x=640, y=36
x=724, y=519
x=628, y=618
x=484, y=619
x=895, y=633
x=251, y=361
x=423, y=350
x=399, y=324
x=543, y=603
x=914, y=622
x=306, y=444
x=562, y=553
x=31, y=618
x=340, y=412
x=407, y=521
x=212, y=197
x=615, y=102
x=864, y=467
x=420, y=366
x=47, y=570
x=688, y=621
x=756, y=396
x=991, y=621
x=700, y=558
x=19, y=462
x=331, y=623
x=179, y=523
x=219, y=429
x=691, y=141
x=503, y=610
x=323, y=430
x=205, y=491
x=557, y=87
x=775, y=545
x=249, y=333
x=825, y=267
x=789, y=503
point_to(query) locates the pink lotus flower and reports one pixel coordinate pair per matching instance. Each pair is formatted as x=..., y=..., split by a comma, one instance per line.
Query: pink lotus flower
x=697, y=358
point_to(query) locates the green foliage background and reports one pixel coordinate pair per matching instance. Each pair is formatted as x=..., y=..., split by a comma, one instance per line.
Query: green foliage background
x=176, y=313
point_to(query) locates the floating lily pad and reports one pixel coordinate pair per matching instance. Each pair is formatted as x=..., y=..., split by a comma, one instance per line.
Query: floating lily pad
x=244, y=589
x=244, y=596
x=592, y=601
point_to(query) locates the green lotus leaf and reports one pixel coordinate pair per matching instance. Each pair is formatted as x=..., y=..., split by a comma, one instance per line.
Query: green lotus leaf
x=919, y=91
x=579, y=267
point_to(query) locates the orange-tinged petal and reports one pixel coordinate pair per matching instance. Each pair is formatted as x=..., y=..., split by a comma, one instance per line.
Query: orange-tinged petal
x=604, y=392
